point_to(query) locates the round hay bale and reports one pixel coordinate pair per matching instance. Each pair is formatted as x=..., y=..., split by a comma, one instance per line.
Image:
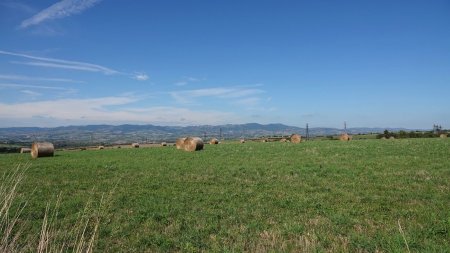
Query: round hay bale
x=101, y=147
x=163, y=144
x=193, y=144
x=242, y=141
x=443, y=136
x=392, y=138
x=296, y=138
x=25, y=150
x=383, y=138
x=214, y=141
x=180, y=143
x=135, y=145
x=345, y=137
x=283, y=140
x=42, y=149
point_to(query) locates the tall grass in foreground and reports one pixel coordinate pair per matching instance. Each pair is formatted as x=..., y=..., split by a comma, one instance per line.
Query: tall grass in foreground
x=53, y=237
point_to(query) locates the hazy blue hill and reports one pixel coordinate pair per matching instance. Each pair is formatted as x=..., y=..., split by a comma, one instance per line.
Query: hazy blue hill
x=152, y=133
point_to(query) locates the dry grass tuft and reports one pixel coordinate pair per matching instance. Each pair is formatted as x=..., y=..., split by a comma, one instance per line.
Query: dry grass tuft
x=79, y=239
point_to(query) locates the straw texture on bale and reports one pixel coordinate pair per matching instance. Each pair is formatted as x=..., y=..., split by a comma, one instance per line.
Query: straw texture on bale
x=101, y=147
x=193, y=144
x=296, y=138
x=214, y=141
x=180, y=143
x=42, y=149
x=25, y=150
x=345, y=137
x=443, y=135
x=163, y=144
x=283, y=140
x=135, y=145
x=242, y=141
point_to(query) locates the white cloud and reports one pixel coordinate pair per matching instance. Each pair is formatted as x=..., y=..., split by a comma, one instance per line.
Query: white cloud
x=248, y=102
x=186, y=96
x=20, y=86
x=181, y=83
x=100, y=110
x=62, y=9
x=73, y=65
x=30, y=78
x=186, y=80
x=58, y=63
x=141, y=77
x=31, y=93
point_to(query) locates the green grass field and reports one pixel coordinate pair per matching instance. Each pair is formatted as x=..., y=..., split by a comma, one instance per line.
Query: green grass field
x=318, y=196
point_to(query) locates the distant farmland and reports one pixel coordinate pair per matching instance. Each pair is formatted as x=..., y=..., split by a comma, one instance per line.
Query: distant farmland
x=362, y=195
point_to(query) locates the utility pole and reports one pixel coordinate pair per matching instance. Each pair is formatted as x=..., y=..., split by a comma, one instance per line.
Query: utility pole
x=345, y=127
x=220, y=133
x=307, y=132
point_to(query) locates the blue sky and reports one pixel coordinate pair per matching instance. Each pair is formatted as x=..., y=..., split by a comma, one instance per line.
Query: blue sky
x=369, y=63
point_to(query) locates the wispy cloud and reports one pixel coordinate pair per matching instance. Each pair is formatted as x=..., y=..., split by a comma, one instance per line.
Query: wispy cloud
x=21, y=86
x=140, y=76
x=73, y=65
x=31, y=78
x=248, y=102
x=186, y=96
x=62, y=9
x=52, y=62
x=186, y=80
x=18, y=6
x=31, y=93
x=103, y=110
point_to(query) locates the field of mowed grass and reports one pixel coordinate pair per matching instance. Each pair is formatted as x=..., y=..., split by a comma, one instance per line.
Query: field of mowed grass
x=317, y=196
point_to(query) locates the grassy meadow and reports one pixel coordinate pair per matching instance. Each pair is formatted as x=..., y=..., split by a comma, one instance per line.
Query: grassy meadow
x=317, y=196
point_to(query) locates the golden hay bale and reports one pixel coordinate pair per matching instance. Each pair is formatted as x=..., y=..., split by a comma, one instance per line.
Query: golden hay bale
x=135, y=145
x=345, y=137
x=443, y=135
x=180, y=143
x=101, y=147
x=42, y=149
x=25, y=150
x=214, y=141
x=242, y=141
x=296, y=138
x=283, y=140
x=193, y=144
x=163, y=144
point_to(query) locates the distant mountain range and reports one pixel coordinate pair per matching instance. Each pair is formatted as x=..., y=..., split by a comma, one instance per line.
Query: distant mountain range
x=110, y=134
